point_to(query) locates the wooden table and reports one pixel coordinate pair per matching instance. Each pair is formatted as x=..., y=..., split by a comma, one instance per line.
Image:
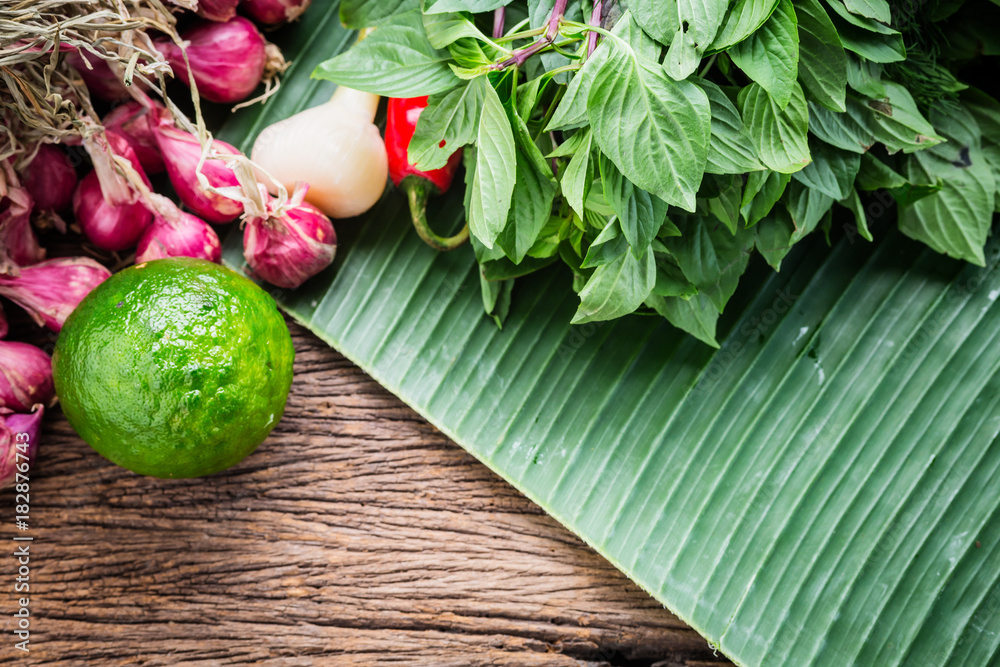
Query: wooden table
x=356, y=534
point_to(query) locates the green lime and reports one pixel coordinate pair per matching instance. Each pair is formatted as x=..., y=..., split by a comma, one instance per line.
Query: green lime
x=174, y=368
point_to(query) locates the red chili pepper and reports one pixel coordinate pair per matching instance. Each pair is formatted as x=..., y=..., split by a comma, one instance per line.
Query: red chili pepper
x=401, y=123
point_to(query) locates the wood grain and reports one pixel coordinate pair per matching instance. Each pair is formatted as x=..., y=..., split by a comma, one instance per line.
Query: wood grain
x=356, y=535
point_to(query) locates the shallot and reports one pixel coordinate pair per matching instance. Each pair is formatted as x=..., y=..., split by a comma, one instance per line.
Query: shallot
x=25, y=376
x=106, y=225
x=227, y=59
x=181, y=152
x=273, y=12
x=50, y=179
x=291, y=243
x=179, y=235
x=18, y=440
x=18, y=244
x=217, y=10
x=50, y=290
x=133, y=121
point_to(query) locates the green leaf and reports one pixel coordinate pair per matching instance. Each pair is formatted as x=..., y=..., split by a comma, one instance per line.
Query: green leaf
x=877, y=175
x=868, y=38
x=496, y=298
x=726, y=200
x=579, y=175
x=730, y=148
x=873, y=9
x=695, y=315
x=449, y=122
x=771, y=55
x=711, y=256
x=865, y=77
x=654, y=129
x=397, y=60
x=779, y=133
x=832, y=170
x=743, y=19
x=774, y=236
x=806, y=206
x=474, y=6
x=763, y=190
x=895, y=122
x=616, y=288
x=495, y=175
x=854, y=204
x=609, y=245
x=809, y=494
x=368, y=13
x=640, y=214
x=688, y=26
x=446, y=29
x=531, y=205
x=823, y=67
x=956, y=220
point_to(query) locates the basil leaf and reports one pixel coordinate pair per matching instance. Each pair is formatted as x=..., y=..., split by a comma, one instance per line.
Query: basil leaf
x=832, y=170
x=688, y=26
x=730, y=148
x=774, y=236
x=865, y=77
x=579, y=175
x=744, y=18
x=359, y=14
x=654, y=129
x=877, y=175
x=779, y=134
x=496, y=298
x=531, y=205
x=441, y=6
x=869, y=39
x=609, y=245
x=763, y=190
x=711, y=257
x=873, y=9
x=725, y=204
x=823, y=68
x=640, y=214
x=956, y=220
x=807, y=207
x=617, y=288
x=493, y=183
x=770, y=56
x=448, y=123
x=696, y=315
x=854, y=204
x=446, y=29
x=397, y=60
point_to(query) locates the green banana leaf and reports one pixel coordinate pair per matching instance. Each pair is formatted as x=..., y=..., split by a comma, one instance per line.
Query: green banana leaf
x=822, y=490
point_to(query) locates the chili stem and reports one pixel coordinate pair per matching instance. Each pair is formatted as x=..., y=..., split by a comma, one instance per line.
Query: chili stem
x=416, y=193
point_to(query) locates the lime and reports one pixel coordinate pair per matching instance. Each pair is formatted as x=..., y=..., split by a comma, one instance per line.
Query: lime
x=174, y=368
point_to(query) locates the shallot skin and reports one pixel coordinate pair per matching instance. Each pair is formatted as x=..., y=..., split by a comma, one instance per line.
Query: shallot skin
x=227, y=59
x=133, y=121
x=273, y=12
x=288, y=249
x=217, y=10
x=25, y=377
x=186, y=237
x=110, y=227
x=50, y=290
x=50, y=179
x=18, y=438
x=181, y=152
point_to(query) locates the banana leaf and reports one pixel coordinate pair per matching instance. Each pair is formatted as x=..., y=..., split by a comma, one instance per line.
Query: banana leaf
x=822, y=490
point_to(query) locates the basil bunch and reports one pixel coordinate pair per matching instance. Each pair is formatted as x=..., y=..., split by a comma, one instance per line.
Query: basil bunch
x=653, y=147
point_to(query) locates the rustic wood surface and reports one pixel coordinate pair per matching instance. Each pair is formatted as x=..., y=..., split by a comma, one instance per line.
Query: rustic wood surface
x=356, y=534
